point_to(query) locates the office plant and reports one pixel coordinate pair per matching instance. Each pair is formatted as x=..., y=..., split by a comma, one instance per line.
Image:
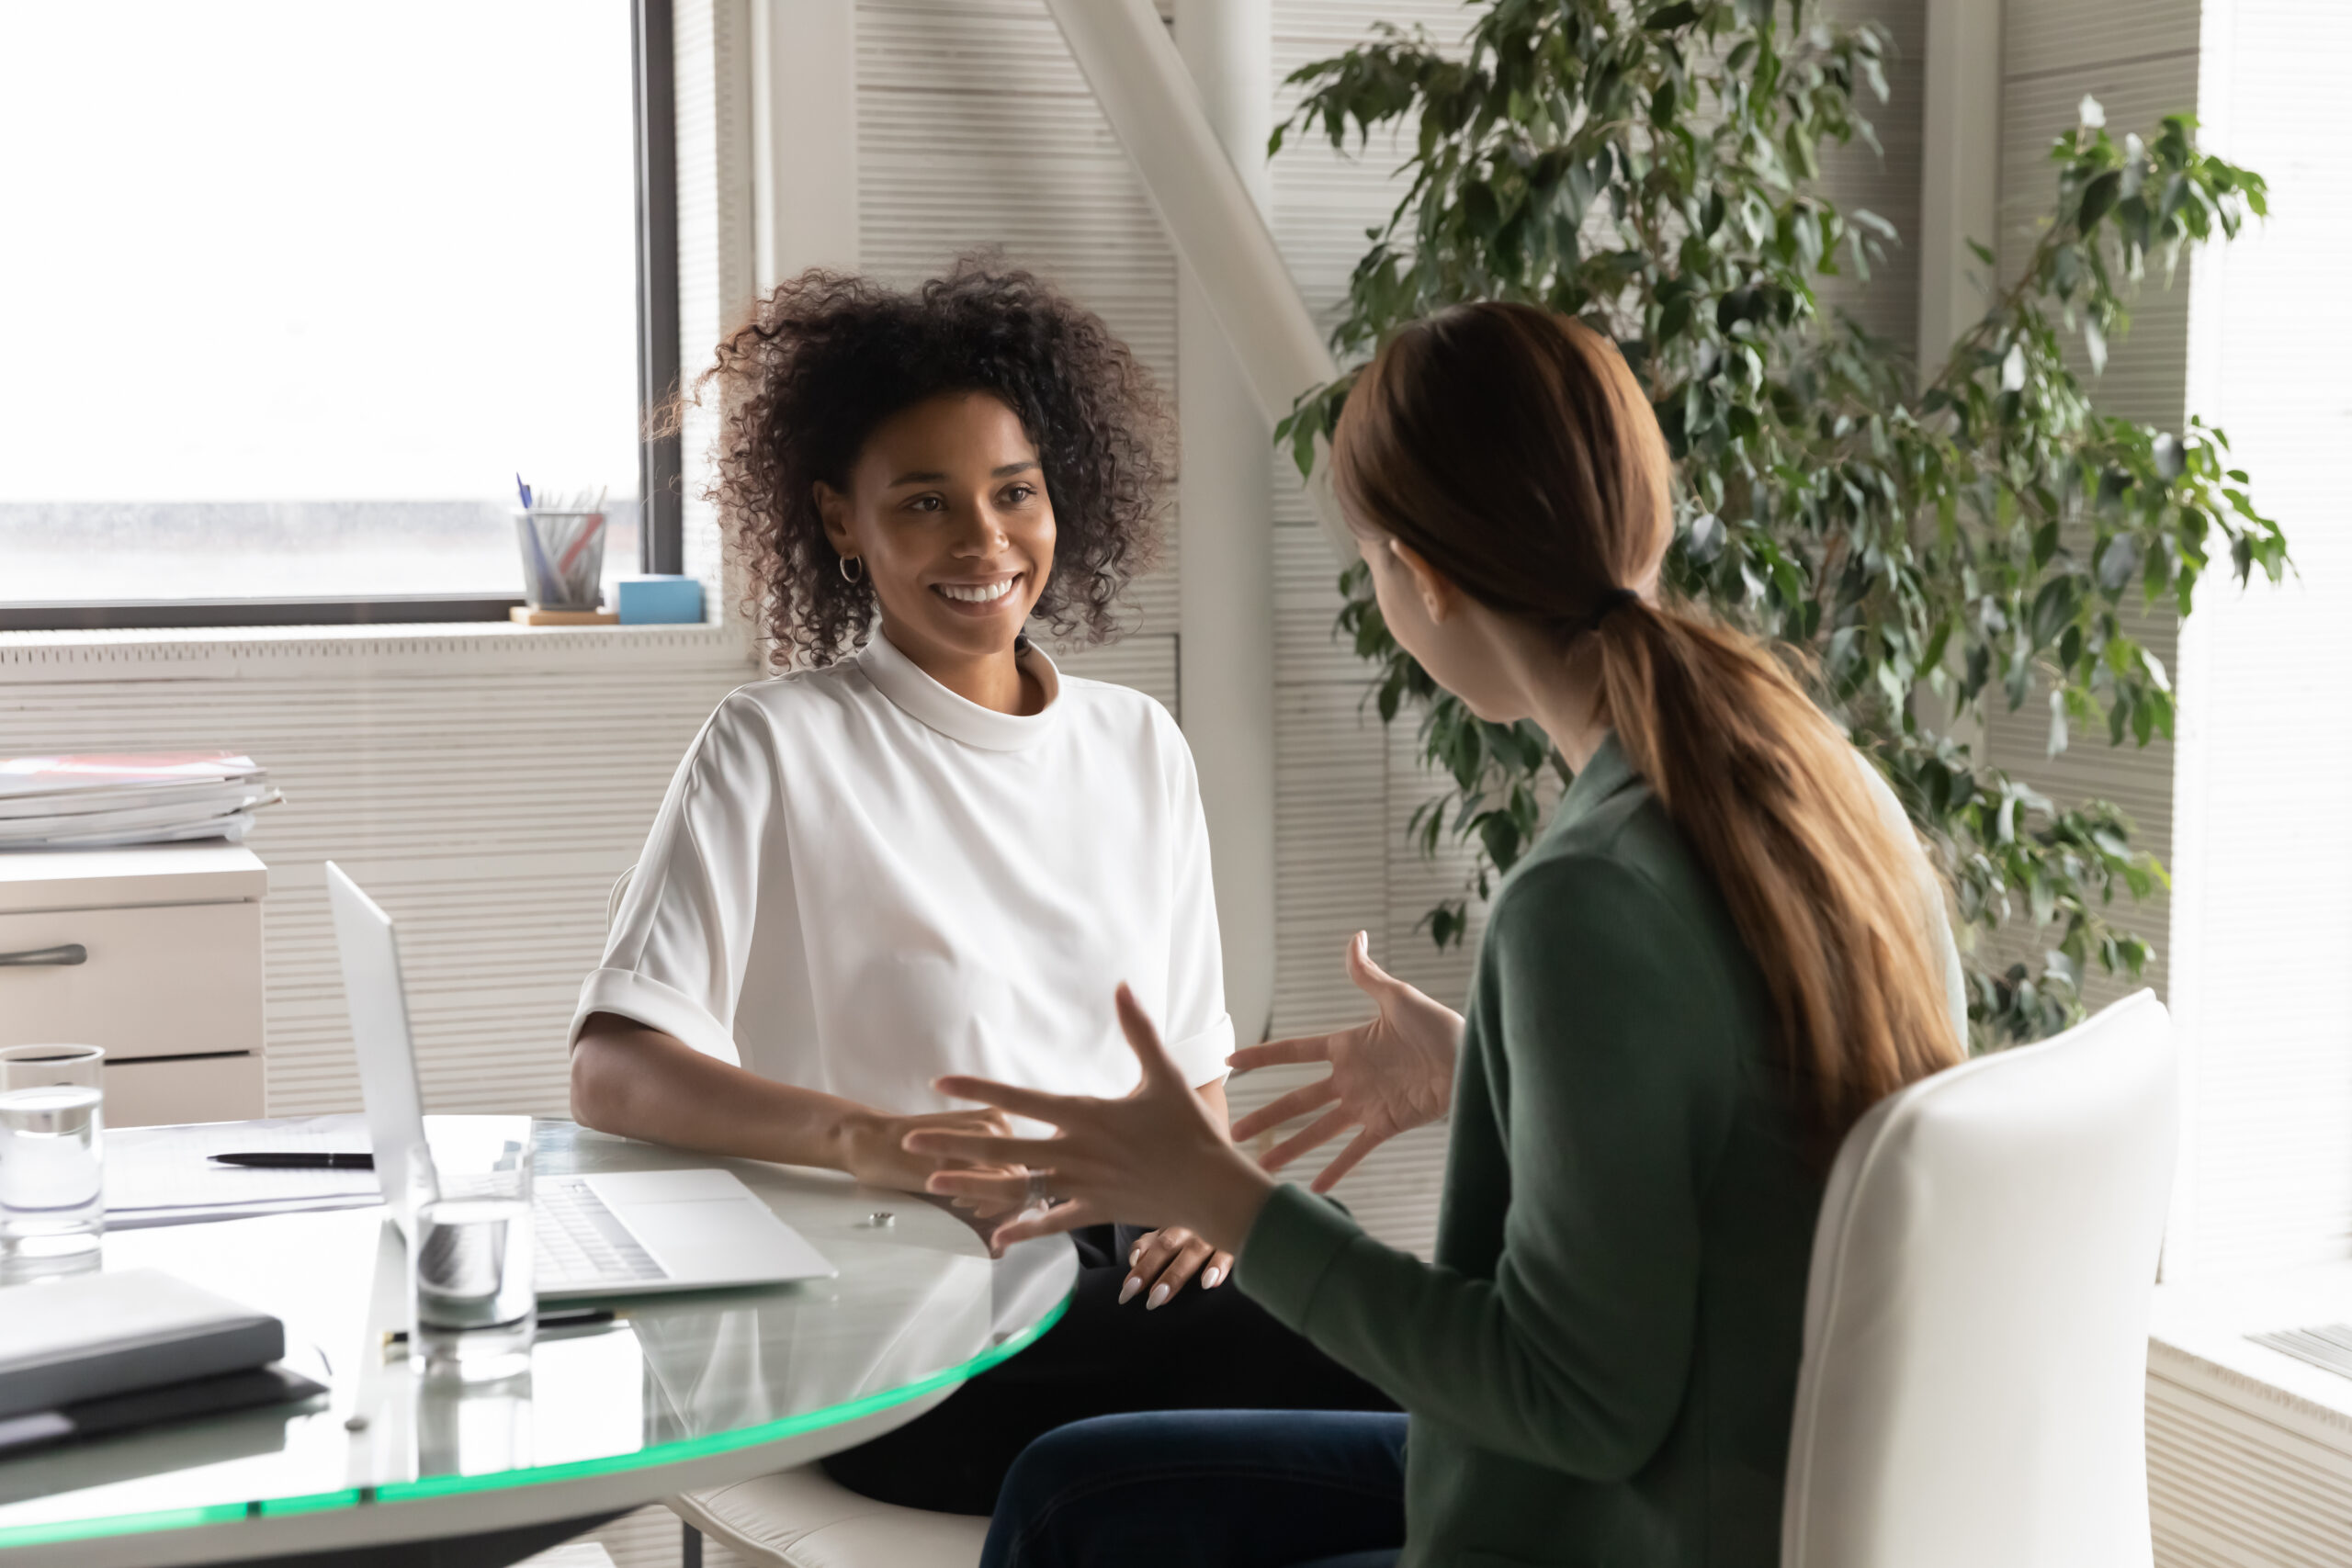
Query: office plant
x=1933, y=545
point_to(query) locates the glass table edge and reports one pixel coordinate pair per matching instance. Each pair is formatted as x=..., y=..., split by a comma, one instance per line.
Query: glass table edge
x=428, y=1487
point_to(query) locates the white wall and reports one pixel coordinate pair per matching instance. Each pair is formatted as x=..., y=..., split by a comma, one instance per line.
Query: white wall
x=1886, y=181
x=2255, y=942
x=2262, y=968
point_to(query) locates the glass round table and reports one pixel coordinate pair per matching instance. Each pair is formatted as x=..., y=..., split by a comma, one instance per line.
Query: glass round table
x=675, y=1394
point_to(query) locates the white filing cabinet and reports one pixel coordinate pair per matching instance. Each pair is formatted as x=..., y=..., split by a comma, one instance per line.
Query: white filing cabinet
x=167, y=977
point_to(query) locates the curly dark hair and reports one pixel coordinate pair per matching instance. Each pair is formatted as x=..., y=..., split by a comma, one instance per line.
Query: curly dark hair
x=828, y=356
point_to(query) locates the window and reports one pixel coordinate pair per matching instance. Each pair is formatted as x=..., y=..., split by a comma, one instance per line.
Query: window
x=293, y=291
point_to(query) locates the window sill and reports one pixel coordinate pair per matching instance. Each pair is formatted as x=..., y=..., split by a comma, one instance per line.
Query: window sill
x=2198, y=1335
x=184, y=615
x=194, y=651
x=2247, y=1447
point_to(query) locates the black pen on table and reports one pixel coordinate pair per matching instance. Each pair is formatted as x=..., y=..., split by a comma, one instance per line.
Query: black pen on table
x=288, y=1160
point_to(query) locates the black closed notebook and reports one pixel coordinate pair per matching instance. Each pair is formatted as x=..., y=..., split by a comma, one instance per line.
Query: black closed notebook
x=153, y=1406
x=88, y=1337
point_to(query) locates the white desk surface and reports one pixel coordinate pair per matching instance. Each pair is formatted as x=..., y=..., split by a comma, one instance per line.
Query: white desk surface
x=680, y=1392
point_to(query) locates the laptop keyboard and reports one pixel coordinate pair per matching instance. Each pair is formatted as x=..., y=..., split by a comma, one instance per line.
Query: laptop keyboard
x=579, y=1242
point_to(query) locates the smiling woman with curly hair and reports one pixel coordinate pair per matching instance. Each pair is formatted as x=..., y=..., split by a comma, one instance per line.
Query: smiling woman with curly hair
x=924, y=850
x=830, y=357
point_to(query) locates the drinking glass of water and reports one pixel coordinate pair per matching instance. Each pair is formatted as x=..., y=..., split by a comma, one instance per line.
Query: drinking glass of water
x=53, y=1190
x=471, y=1260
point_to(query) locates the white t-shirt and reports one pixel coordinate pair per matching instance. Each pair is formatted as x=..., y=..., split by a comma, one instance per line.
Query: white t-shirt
x=859, y=881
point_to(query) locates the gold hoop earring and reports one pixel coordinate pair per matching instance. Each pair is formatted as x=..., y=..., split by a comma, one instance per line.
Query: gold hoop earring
x=849, y=576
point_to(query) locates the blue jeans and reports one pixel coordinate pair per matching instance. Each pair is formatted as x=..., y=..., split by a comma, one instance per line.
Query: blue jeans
x=1207, y=1489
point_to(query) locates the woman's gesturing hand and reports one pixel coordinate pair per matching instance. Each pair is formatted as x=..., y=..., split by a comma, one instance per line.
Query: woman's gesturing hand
x=1387, y=1076
x=1157, y=1157
x=873, y=1146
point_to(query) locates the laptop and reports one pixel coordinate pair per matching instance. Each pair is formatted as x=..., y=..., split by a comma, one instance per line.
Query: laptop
x=629, y=1233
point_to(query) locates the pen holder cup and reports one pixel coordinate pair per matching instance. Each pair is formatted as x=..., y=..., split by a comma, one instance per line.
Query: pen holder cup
x=563, y=559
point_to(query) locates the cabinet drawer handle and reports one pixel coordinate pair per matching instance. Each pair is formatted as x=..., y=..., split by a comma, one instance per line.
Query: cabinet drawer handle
x=56, y=957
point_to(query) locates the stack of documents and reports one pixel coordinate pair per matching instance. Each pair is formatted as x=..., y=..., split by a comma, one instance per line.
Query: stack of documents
x=93, y=802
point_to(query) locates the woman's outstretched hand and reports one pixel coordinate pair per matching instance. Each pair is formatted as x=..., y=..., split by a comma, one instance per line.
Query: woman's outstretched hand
x=1157, y=1157
x=1387, y=1075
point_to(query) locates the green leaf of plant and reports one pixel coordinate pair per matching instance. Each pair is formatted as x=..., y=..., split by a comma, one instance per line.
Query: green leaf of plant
x=2097, y=197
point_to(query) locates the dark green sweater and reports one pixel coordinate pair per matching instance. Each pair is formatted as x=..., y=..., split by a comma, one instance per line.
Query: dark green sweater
x=1602, y=1364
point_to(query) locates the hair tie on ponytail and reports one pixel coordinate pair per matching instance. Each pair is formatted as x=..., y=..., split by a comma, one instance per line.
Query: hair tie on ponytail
x=1616, y=598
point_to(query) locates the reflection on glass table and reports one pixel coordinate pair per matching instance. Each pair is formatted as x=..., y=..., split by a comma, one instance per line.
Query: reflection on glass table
x=676, y=1392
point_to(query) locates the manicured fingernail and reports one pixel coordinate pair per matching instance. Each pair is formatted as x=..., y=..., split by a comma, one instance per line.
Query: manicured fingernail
x=1136, y=1255
x=1128, y=1291
x=1158, y=1296
x=1210, y=1275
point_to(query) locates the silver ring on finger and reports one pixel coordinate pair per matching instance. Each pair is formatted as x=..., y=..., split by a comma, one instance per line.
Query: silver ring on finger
x=1039, y=1192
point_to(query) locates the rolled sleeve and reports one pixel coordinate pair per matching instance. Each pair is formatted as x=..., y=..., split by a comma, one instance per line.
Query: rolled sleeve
x=656, y=1006
x=1201, y=1056
x=676, y=957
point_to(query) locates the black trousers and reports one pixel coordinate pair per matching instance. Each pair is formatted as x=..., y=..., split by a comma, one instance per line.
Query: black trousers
x=1203, y=1350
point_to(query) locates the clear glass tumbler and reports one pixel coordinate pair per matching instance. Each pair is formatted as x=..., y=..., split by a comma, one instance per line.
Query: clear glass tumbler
x=470, y=1262
x=53, y=1149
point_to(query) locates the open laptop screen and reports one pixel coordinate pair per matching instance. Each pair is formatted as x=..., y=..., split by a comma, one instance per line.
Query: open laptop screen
x=371, y=980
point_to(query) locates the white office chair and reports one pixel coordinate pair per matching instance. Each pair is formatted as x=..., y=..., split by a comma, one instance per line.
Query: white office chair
x=803, y=1519
x=1973, y=1389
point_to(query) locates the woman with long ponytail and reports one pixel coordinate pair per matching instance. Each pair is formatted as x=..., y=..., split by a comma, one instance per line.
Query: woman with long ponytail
x=1726, y=947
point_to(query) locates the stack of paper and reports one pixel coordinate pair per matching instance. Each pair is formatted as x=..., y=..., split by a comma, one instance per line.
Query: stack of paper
x=92, y=802
x=165, y=1175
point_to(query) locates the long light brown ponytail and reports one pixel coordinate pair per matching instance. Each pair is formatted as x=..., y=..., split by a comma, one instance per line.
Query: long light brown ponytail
x=1515, y=452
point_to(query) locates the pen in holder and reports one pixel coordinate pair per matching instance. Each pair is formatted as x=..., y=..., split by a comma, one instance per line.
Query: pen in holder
x=562, y=543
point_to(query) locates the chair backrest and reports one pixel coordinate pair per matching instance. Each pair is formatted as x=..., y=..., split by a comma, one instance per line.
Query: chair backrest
x=1975, y=1381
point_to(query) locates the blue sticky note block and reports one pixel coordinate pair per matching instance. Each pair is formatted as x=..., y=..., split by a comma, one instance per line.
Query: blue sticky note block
x=660, y=601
